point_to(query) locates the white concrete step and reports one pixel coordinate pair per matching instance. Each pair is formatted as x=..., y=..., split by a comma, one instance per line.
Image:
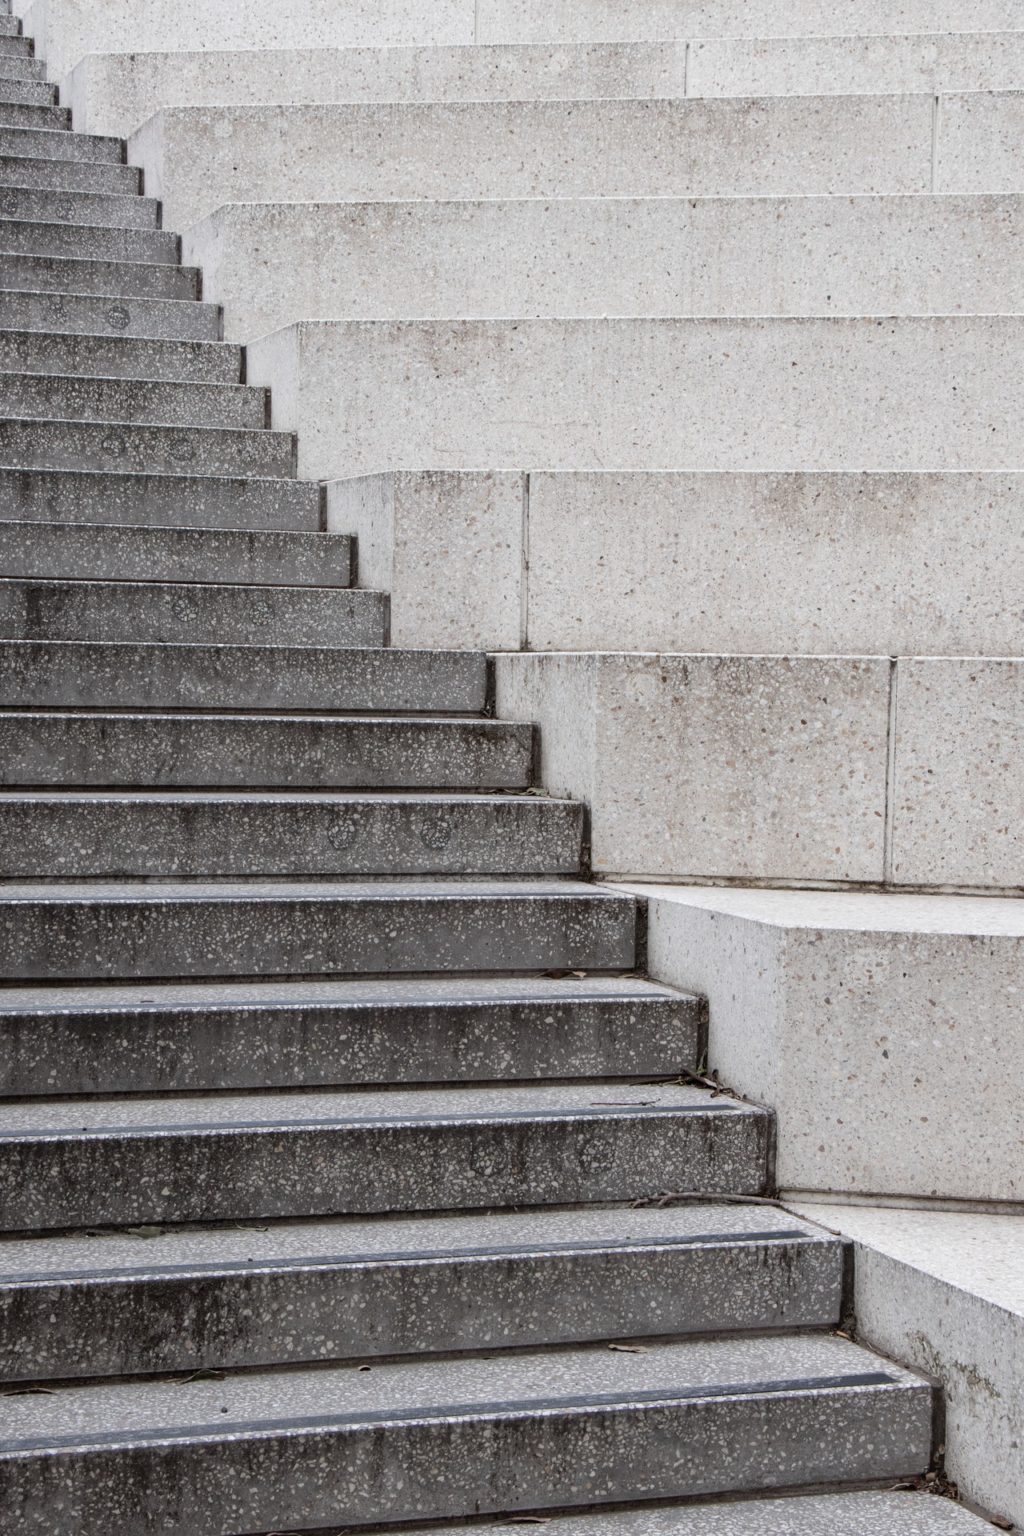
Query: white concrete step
x=715, y=395
x=271, y=264
x=531, y=1431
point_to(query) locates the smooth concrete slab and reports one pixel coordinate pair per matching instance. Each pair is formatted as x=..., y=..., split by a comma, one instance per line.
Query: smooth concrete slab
x=86, y=498
x=885, y=1030
x=271, y=264
x=196, y=158
x=945, y=1292
x=910, y=564
x=261, y=1035
x=531, y=1431
x=696, y=394
x=115, y=92
x=745, y=767
x=332, y=1289
x=237, y=1157
x=187, y=836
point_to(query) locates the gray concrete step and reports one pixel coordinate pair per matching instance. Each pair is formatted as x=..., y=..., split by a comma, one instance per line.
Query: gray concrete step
x=239, y=1157
x=72, y=313
x=103, y=209
x=481, y=1435
x=332, y=1290
x=121, y=357
x=35, y=237
x=12, y=44
x=44, y=396
x=240, y=751
x=35, y=113
x=33, y=609
x=70, y=175
x=285, y=836
x=832, y=1514
x=122, y=279
x=10, y=26
x=317, y=928
x=100, y=445
x=207, y=502
x=55, y=674
x=448, y=1029
x=21, y=68
x=125, y=553
x=36, y=93
x=53, y=146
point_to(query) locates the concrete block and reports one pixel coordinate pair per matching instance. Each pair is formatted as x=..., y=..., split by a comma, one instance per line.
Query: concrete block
x=935, y=62
x=195, y=159
x=693, y=394
x=751, y=767
x=271, y=264
x=885, y=1030
x=448, y=547
x=121, y=90
x=944, y=1292
x=958, y=789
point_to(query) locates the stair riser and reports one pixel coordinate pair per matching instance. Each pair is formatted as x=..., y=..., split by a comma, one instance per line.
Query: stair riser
x=12, y=45
x=249, y=752
x=46, y=675
x=31, y=92
x=84, y=148
x=21, y=68
x=69, y=940
x=214, y=615
x=119, y=357
x=307, y=1312
x=159, y=501
x=314, y=839
x=77, y=242
x=236, y=1175
x=67, y=175
x=42, y=396
x=68, y=314
x=508, y=1459
x=10, y=26
x=124, y=279
x=63, y=550
x=23, y=114
x=130, y=449
x=97, y=208
x=311, y=1045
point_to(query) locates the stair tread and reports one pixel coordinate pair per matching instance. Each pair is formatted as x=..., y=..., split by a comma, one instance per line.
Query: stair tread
x=699, y=1369
x=343, y=1239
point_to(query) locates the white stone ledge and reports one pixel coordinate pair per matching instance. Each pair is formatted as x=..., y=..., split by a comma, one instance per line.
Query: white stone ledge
x=885, y=1030
x=270, y=264
x=888, y=395
x=945, y=1293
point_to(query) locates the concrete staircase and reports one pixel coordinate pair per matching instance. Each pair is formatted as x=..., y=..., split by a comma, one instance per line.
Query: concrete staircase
x=339, y=1117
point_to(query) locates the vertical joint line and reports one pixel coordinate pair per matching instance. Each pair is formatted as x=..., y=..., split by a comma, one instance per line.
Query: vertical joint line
x=524, y=568
x=936, y=118
x=890, y=770
x=686, y=69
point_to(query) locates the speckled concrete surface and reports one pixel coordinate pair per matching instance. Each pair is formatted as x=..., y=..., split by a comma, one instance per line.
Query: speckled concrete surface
x=41, y=144
x=335, y=1290
x=123, y=357
x=20, y=169
x=273, y=1034
x=200, y=501
x=78, y=241
x=72, y=314
x=166, y=403
x=86, y=207
x=125, y=446
x=40, y=273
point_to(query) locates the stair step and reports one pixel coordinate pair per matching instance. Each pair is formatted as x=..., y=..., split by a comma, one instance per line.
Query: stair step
x=285, y=836
x=73, y=313
x=70, y=175
x=12, y=44
x=288, y=928
x=829, y=1514
x=34, y=609
x=89, y=148
x=121, y=357
x=168, y=502
x=335, y=1290
x=83, y=242
x=272, y=751
x=87, y=675
x=126, y=553
x=103, y=209
x=480, y=1435
x=118, y=445
x=120, y=279
x=256, y=1156
x=10, y=26
x=74, y=398
x=29, y=92
x=177, y=1039
x=21, y=68
x=32, y=113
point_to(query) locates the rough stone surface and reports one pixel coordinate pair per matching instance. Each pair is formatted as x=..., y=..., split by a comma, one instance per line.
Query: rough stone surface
x=162, y=501
x=132, y=400
x=129, y=447
x=62, y=274
x=69, y=314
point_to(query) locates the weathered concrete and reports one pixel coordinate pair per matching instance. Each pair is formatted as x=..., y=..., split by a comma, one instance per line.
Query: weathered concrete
x=113, y=356
x=69, y=314
x=173, y=501
x=136, y=448
x=70, y=397
x=125, y=279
